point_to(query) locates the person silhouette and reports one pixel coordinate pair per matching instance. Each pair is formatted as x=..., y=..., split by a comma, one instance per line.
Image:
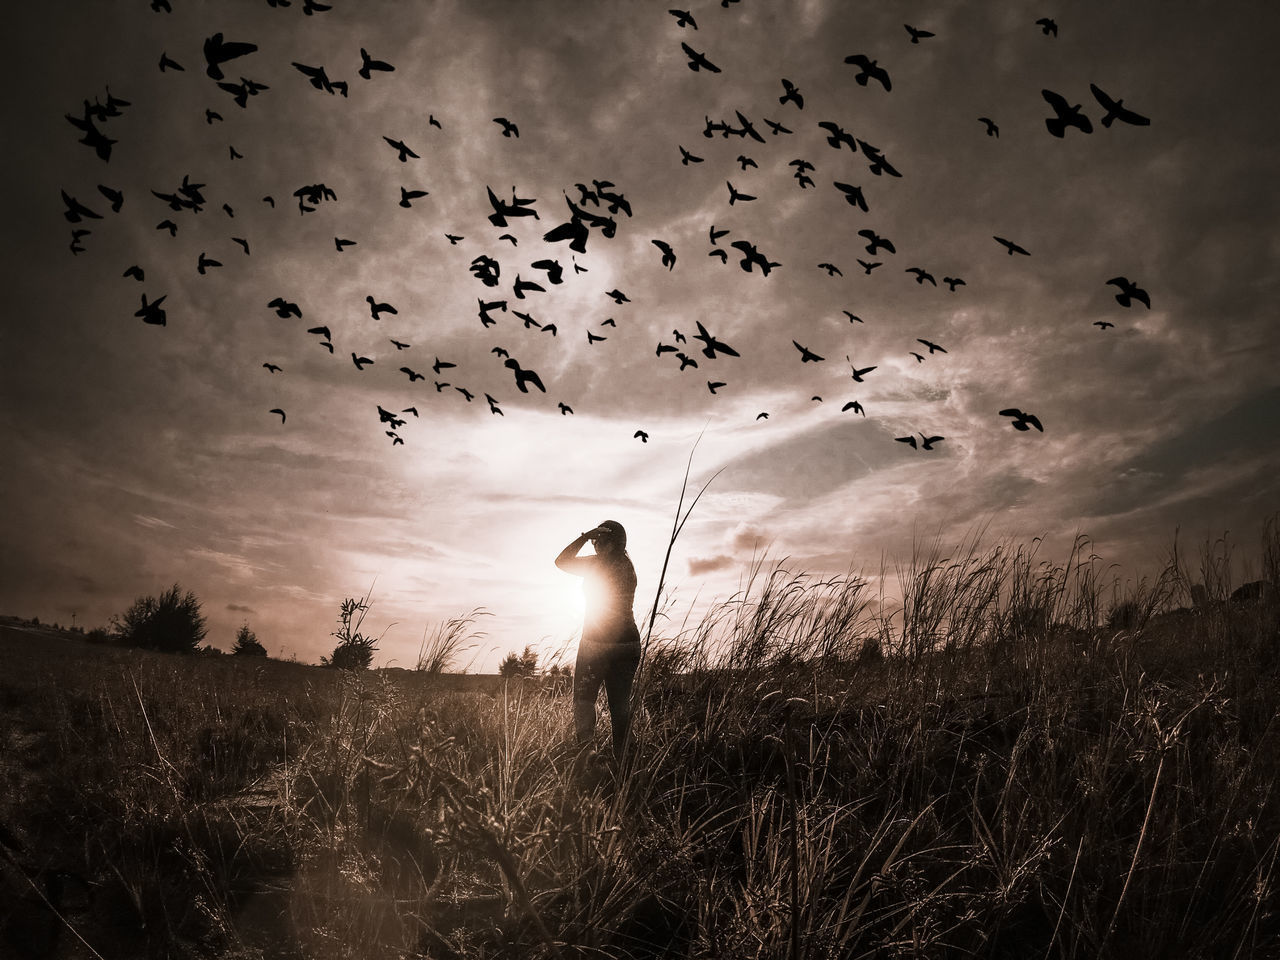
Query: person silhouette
x=609, y=651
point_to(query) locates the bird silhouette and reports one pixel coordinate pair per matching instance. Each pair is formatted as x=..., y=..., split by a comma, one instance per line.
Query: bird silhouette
x=687, y=158
x=593, y=338
x=933, y=347
x=433, y=122
x=235, y=154
x=879, y=164
x=953, y=282
x=77, y=211
x=395, y=438
x=832, y=269
x=853, y=318
x=398, y=345
x=668, y=255
x=166, y=63
x=1011, y=246
x=115, y=197
x=565, y=409
x=509, y=129
x=1116, y=110
x=467, y=395
x=919, y=357
x=910, y=441
x=852, y=195
x=320, y=331
x=735, y=196
x=1067, y=115
x=339, y=243
x=520, y=286
x=916, y=34
x=552, y=268
x=684, y=18
x=367, y=63
x=386, y=416
x=715, y=234
x=698, y=61
x=762, y=415
x=791, y=94
x=1130, y=291
x=722, y=254
x=714, y=385
x=279, y=411
x=685, y=360
x=644, y=437
x=205, y=262
x=441, y=365
x=1048, y=26
x=285, y=309
x=319, y=79
x=524, y=376
x=244, y=244
x=413, y=374
x=775, y=129
x=806, y=355
x=712, y=346
x=664, y=348
x=618, y=296
x=168, y=225
x=152, y=312
x=836, y=136
x=868, y=267
x=218, y=51
x=493, y=406
x=360, y=362
x=992, y=129
x=1022, y=421
x=858, y=373
x=868, y=70
x=271, y=367
x=412, y=410
x=745, y=161
x=1103, y=324
x=926, y=443
x=378, y=309
x=407, y=196
x=136, y=272
x=750, y=256
x=401, y=149
x=921, y=275
x=876, y=242
x=453, y=239
x=855, y=406
x=529, y=322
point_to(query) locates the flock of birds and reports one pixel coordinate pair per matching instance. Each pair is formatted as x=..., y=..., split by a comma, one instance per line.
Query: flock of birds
x=592, y=209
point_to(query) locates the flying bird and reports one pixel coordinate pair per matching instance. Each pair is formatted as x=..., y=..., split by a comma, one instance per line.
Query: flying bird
x=735, y=196
x=168, y=64
x=218, y=51
x=524, y=376
x=378, y=309
x=933, y=347
x=712, y=346
x=853, y=318
x=1129, y=291
x=509, y=129
x=271, y=367
x=398, y=345
x=285, y=309
x=339, y=243
x=869, y=70
x=698, y=61
x=135, y=271
x=360, y=362
x=1011, y=246
x=668, y=255
x=413, y=374
x=921, y=275
x=205, y=262
x=762, y=415
x=775, y=129
x=953, y=282
x=916, y=34
x=1116, y=110
x=406, y=196
x=404, y=152
x=687, y=158
x=1048, y=26
x=836, y=135
x=565, y=409
x=367, y=63
x=992, y=129
x=852, y=195
x=876, y=242
x=806, y=355
x=441, y=365
x=855, y=406
x=618, y=296
x=1067, y=115
x=279, y=411
x=715, y=234
x=644, y=437
x=791, y=94
x=857, y=373
x=244, y=244
x=868, y=267
x=684, y=18
x=1022, y=421
x=832, y=269
x=1103, y=324
x=152, y=312
x=714, y=385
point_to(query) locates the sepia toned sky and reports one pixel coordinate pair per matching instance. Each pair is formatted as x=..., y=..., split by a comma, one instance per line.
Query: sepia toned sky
x=140, y=455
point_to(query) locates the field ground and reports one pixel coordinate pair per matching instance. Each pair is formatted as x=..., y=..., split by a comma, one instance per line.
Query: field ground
x=1047, y=793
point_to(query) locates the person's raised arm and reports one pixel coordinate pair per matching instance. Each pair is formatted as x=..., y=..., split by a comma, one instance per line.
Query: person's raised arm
x=569, y=561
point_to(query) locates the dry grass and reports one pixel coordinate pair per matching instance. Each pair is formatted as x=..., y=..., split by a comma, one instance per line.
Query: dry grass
x=1009, y=777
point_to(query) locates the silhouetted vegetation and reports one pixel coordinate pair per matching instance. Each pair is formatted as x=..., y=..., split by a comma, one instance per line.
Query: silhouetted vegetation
x=354, y=650
x=524, y=664
x=171, y=622
x=247, y=644
x=1020, y=771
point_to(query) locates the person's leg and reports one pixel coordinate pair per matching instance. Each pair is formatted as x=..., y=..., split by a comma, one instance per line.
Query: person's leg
x=587, y=677
x=619, y=677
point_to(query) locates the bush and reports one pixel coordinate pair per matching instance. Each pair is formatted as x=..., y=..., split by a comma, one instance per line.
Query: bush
x=354, y=650
x=171, y=622
x=520, y=665
x=247, y=644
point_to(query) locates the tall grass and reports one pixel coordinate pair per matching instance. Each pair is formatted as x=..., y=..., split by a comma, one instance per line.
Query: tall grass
x=1023, y=771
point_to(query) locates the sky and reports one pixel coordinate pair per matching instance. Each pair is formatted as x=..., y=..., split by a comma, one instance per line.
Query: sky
x=140, y=455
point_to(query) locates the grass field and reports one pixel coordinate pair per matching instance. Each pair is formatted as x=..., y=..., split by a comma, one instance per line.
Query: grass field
x=1008, y=768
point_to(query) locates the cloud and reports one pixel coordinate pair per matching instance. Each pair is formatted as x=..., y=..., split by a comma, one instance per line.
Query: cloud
x=700, y=566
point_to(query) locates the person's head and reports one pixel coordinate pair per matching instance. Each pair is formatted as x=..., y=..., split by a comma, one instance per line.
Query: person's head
x=610, y=539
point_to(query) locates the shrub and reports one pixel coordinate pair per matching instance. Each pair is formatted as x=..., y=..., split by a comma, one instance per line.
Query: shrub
x=247, y=644
x=520, y=665
x=354, y=650
x=171, y=622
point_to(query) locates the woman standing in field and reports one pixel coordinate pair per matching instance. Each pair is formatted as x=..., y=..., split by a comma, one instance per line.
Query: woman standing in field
x=609, y=651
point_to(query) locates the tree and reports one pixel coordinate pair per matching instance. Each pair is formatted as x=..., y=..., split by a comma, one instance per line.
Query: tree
x=247, y=644
x=520, y=665
x=354, y=650
x=171, y=622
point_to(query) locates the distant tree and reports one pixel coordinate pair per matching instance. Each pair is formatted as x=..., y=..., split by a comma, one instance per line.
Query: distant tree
x=354, y=650
x=520, y=665
x=171, y=622
x=247, y=644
